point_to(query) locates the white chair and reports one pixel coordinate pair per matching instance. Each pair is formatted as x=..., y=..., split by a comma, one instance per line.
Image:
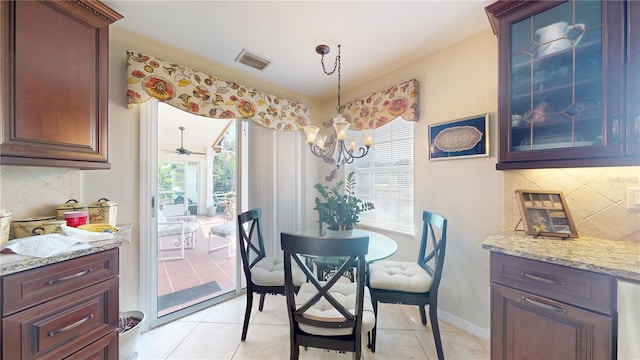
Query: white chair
x=182, y=228
x=226, y=230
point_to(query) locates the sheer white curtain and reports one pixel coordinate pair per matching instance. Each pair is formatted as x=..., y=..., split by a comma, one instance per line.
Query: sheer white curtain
x=276, y=179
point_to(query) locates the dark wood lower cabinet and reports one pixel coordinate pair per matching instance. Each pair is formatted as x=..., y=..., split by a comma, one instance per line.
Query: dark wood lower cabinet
x=546, y=311
x=66, y=310
x=533, y=327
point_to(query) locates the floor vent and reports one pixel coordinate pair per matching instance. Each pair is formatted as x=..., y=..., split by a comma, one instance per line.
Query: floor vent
x=253, y=60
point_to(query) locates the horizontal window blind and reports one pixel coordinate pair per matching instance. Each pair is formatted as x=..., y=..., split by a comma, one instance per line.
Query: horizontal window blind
x=385, y=177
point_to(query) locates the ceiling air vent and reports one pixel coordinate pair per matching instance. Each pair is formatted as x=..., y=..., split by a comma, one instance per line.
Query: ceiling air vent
x=253, y=60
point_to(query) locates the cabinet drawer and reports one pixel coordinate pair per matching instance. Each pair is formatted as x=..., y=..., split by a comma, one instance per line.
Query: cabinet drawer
x=32, y=287
x=573, y=286
x=62, y=326
x=103, y=349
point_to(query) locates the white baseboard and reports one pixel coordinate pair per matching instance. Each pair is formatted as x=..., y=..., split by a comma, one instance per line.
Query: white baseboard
x=473, y=329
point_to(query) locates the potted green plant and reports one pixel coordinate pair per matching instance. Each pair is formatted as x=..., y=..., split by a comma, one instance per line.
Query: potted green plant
x=340, y=211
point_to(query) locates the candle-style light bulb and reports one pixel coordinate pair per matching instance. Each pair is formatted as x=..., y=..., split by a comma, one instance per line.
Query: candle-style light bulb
x=367, y=137
x=311, y=132
x=341, y=127
x=320, y=139
x=352, y=143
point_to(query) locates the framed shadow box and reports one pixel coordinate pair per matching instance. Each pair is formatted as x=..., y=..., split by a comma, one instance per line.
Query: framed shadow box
x=545, y=213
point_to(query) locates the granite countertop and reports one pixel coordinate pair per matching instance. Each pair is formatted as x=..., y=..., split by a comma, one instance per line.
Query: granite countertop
x=616, y=258
x=11, y=263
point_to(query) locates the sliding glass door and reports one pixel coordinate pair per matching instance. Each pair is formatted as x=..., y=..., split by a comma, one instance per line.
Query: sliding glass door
x=189, y=259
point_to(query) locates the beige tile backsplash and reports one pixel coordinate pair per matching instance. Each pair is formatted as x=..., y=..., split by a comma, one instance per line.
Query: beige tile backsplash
x=34, y=191
x=597, y=198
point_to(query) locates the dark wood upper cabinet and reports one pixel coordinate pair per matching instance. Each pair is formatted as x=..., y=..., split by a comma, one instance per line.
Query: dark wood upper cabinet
x=55, y=83
x=568, y=83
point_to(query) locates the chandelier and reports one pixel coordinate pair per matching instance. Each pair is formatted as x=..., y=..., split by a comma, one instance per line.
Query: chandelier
x=341, y=149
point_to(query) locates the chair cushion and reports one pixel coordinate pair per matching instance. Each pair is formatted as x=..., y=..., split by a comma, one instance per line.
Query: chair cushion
x=270, y=272
x=399, y=276
x=345, y=294
x=171, y=228
x=223, y=230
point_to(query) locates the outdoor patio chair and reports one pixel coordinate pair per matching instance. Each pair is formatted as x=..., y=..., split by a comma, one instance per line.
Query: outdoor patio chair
x=181, y=229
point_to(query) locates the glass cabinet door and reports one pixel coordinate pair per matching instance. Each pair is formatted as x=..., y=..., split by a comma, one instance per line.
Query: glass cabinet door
x=556, y=98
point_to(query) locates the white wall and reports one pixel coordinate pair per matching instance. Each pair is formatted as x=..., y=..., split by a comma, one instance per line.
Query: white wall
x=457, y=82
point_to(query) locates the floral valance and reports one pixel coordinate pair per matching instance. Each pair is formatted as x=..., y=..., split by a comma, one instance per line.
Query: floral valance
x=379, y=108
x=206, y=95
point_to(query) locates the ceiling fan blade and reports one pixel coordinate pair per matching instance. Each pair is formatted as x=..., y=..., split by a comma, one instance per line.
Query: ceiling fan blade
x=182, y=150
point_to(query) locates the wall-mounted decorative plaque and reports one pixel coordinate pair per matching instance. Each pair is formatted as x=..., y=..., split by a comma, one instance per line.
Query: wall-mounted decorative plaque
x=459, y=138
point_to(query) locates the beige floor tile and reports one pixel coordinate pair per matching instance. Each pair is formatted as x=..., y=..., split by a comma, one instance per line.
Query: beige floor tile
x=214, y=333
x=456, y=345
x=392, y=317
x=264, y=342
x=230, y=311
x=209, y=341
x=396, y=344
x=413, y=316
x=160, y=342
x=274, y=312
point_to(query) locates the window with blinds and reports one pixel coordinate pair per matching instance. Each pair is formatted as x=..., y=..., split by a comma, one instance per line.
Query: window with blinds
x=385, y=177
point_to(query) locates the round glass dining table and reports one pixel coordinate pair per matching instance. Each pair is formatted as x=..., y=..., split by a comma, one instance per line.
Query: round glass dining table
x=380, y=246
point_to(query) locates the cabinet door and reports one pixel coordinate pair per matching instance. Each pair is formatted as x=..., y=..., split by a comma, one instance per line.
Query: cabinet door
x=55, y=79
x=526, y=326
x=561, y=77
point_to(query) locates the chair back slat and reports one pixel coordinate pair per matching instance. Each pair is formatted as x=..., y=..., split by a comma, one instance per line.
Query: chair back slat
x=353, y=249
x=250, y=240
x=434, y=236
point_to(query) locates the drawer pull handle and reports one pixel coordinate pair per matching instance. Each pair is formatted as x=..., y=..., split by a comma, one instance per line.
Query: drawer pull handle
x=72, y=326
x=544, y=280
x=544, y=306
x=51, y=282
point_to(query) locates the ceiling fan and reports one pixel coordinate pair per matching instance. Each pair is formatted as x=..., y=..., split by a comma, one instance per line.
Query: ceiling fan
x=182, y=150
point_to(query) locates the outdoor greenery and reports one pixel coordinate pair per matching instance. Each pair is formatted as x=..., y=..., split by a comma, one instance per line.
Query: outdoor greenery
x=170, y=177
x=340, y=211
x=224, y=173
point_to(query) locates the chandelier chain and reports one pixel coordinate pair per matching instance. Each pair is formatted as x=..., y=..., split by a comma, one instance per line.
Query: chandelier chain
x=336, y=66
x=339, y=60
x=340, y=149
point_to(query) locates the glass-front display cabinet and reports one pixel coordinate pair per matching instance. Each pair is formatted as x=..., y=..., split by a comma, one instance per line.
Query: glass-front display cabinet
x=562, y=87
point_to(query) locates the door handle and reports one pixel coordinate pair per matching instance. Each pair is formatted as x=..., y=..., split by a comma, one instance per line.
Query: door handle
x=543, y=279
x=51, y=282
x=71, y=326
x=544, y=306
